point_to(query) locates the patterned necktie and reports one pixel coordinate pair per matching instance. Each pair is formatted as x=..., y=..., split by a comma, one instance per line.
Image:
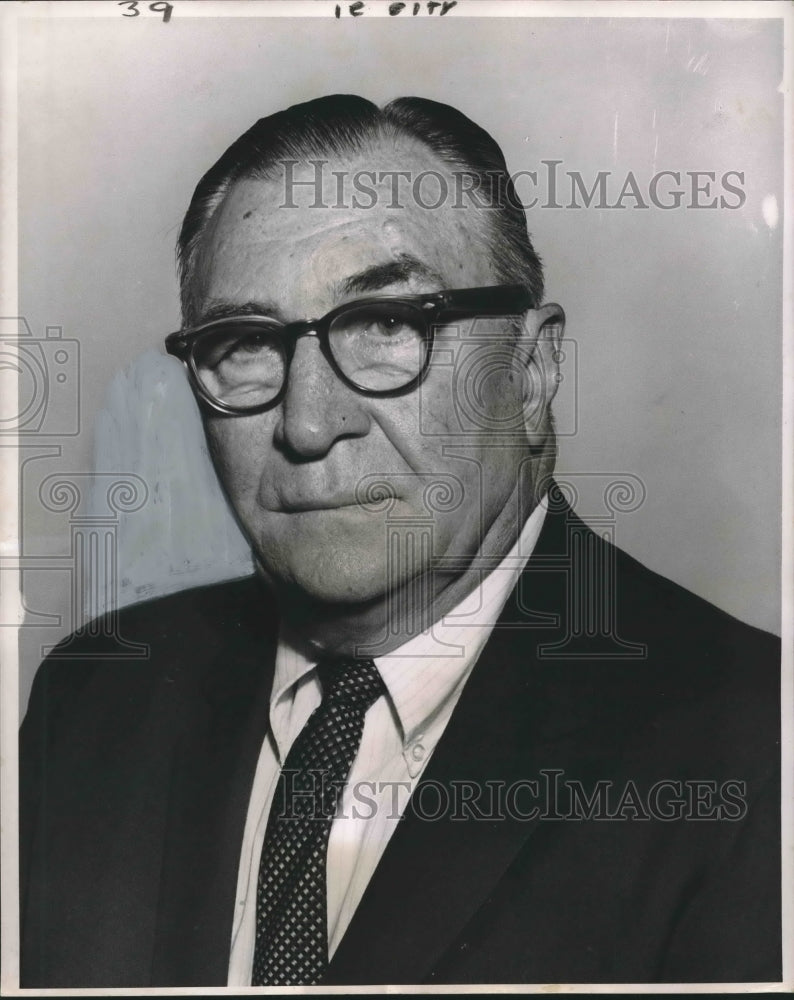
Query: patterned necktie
x=291, y=918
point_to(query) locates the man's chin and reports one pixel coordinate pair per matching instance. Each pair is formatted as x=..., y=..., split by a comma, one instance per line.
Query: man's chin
x=337, y=574
x=338, y=589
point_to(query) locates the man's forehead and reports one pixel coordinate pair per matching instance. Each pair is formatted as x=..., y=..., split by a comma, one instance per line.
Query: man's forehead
x=350, y=212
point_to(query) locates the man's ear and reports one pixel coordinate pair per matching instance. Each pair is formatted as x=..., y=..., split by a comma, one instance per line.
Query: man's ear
x=539, y=345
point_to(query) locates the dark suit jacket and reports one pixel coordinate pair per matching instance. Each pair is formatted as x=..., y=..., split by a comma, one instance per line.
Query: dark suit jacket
x=136, y=776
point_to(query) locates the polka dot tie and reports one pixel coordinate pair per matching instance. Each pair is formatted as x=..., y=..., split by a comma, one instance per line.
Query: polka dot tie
x=291, y=920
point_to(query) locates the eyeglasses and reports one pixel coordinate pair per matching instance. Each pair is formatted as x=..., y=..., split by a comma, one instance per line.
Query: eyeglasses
x=379, y=346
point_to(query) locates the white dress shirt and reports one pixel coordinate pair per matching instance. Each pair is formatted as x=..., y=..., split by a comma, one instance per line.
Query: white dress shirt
x=423, y=678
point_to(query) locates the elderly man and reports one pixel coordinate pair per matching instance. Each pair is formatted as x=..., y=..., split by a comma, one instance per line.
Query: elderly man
x=408, y=750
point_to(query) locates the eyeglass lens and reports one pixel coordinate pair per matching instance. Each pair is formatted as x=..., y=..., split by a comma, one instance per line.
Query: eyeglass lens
x=378, y=346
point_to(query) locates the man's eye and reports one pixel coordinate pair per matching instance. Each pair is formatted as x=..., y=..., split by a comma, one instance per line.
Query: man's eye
x=236, y=347
x=387, y=326
x=251, y=343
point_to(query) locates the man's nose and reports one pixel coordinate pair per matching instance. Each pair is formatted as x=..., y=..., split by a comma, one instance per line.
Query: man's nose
x=318, y=409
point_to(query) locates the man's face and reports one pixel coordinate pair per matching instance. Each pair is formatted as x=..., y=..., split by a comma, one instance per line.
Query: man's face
x=292, y=472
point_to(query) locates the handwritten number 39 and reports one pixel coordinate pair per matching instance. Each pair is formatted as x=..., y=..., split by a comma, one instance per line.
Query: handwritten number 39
x=157, y=8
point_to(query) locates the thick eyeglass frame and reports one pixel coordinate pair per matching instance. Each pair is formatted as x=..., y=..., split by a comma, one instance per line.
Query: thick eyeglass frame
x=431, y=309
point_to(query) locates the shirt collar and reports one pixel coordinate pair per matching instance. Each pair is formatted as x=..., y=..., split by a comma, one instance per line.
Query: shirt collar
x=425, y=676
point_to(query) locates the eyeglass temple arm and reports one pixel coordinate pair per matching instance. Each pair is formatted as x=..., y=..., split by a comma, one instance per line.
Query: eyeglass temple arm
x=497, y=301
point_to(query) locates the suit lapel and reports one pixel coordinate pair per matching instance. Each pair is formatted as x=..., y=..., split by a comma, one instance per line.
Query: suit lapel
x=516, y=716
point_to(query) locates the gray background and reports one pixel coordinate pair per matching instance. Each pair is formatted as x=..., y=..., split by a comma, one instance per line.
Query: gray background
x=674, y=316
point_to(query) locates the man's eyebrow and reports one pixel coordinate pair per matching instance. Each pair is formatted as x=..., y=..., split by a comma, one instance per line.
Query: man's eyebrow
x=223, y=309
x=371, y=279
x=378, y=276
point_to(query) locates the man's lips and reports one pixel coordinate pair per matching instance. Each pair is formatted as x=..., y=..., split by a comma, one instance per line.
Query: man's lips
x=338, y=501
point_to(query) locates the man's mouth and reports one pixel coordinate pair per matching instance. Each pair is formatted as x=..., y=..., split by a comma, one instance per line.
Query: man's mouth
x=339, y=501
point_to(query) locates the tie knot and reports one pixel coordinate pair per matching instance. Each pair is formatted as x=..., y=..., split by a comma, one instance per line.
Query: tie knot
x=357, y=683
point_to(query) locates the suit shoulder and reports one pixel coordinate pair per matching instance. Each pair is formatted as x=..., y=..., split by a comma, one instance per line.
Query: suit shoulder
x=710, y=680
x=641, y=606
x=134, y=645
x=665, y=669
x=687, y=620
x=217, y=607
